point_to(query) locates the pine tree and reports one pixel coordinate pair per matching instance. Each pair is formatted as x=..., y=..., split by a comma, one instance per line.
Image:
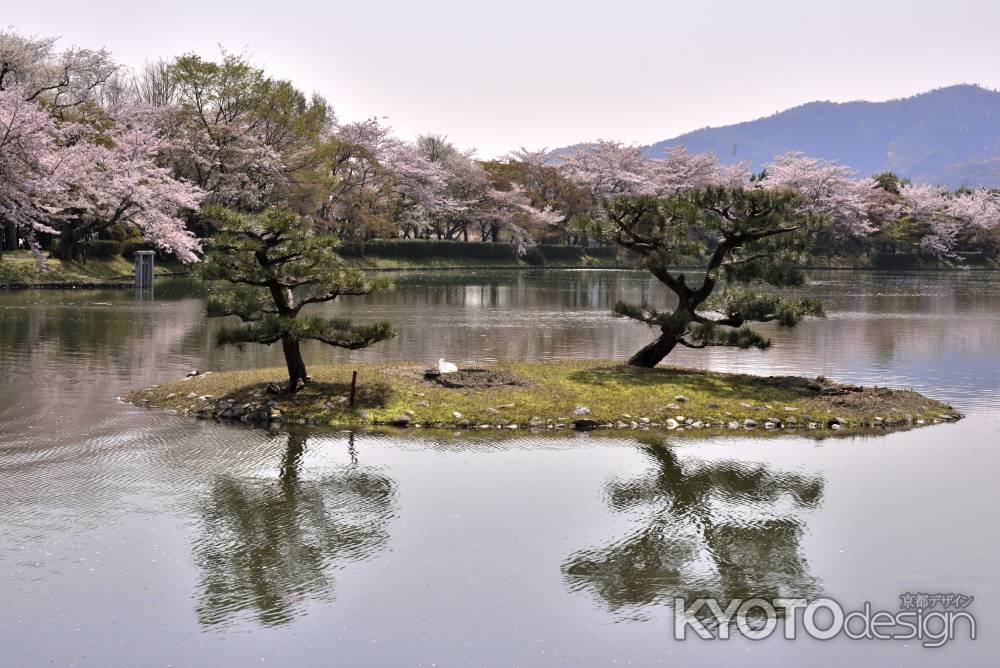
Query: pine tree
x=278, y=264
x=754, y=241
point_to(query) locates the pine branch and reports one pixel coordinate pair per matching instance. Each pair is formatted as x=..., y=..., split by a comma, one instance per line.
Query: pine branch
x=246, y=303
x=645, y=314
x=743, y=338
x=266, y=331
x=343, y=333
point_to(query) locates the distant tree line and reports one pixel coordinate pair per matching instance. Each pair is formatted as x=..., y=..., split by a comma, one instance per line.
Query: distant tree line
x=94, y=157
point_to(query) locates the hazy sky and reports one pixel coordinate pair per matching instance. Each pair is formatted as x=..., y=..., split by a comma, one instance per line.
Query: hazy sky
x=553, y=73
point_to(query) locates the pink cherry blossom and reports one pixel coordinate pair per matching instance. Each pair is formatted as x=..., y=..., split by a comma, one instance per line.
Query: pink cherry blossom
x=29, y=152
x=946, y=215
x=826, y=188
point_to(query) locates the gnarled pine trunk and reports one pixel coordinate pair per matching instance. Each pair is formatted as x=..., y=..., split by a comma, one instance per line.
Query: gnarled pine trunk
x=654, y=352
x=284, y=300
x=293, y=360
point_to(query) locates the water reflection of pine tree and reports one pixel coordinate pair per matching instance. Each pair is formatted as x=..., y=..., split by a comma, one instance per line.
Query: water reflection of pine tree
x=268, y=546
x=721, y=530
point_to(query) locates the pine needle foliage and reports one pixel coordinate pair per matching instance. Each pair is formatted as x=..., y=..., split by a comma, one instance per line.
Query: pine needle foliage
x=277, y=264
x=754, y=241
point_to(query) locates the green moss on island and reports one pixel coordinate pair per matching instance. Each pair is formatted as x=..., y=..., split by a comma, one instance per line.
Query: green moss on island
x=547, y=395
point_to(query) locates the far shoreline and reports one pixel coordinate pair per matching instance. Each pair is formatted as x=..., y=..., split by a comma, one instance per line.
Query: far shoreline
x=127, y=282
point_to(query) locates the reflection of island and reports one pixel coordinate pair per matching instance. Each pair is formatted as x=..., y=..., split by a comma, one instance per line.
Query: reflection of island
x=720, y=530
x=268, y=546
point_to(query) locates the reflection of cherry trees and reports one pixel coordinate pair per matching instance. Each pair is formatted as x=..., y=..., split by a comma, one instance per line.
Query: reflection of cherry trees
x=92, y=344
x=268, y=546
x=722, y=530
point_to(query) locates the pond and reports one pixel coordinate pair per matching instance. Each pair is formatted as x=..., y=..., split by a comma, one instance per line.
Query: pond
x=137, y=537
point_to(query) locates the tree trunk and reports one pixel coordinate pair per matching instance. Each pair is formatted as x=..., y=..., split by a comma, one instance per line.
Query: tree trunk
x=66, y=247
x=291, y=463
x=9, y=237
x=293, y=360
x=653, y=353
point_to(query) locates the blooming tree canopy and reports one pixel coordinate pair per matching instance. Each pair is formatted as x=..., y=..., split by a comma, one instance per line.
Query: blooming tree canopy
x=71, y=180
x=608, y=168
x=63, y=78
x=114, y=178
x=28, y=156
x=947, y=215
x=248, y=140
x=825, y=188
x=424, y=189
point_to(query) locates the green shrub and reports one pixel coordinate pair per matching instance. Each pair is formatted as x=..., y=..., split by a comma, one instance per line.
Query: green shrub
x=427, y=248
x=103, y=248
x=976, y=257
x=119, y=232
x=560, y=253
x=554, y=253
x=533, y=256
x=129, y=248
x=604, y=252
x=895, y=260
x=424, y=248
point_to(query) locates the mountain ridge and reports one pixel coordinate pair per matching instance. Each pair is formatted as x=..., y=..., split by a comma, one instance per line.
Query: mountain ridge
x=949, y=136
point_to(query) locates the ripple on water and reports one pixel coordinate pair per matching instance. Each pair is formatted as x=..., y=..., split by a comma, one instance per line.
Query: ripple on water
x=127, y=524
x=267, y=547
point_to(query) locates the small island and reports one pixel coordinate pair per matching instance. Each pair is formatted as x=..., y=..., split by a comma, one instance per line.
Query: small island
x=582, y=395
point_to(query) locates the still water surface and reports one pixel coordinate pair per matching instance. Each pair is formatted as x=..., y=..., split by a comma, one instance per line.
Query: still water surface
x=131, y=537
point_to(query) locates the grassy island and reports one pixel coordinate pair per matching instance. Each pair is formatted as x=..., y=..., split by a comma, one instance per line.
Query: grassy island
x=545, y=395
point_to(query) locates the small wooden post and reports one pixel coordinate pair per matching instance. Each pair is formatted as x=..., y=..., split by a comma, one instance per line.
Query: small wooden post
x=354, y=385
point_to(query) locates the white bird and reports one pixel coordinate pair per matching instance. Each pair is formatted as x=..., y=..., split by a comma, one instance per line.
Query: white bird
x=446, y=367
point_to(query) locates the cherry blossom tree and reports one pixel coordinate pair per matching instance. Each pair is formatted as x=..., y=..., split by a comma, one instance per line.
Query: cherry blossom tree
x=826, y=189
x=492, y=203
x=947, y=215
x=609, y=168
x=509, y=211
x=64, y=78
x=420, y=190
x=468, y=185
x=680, y=170
x=72, y=180
x=114, y=178
x=426, y=189
x=548, y=187
x=358, y=194
x=380, y=184
x=498, y=208
x=250, y=141
x=28, y=156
